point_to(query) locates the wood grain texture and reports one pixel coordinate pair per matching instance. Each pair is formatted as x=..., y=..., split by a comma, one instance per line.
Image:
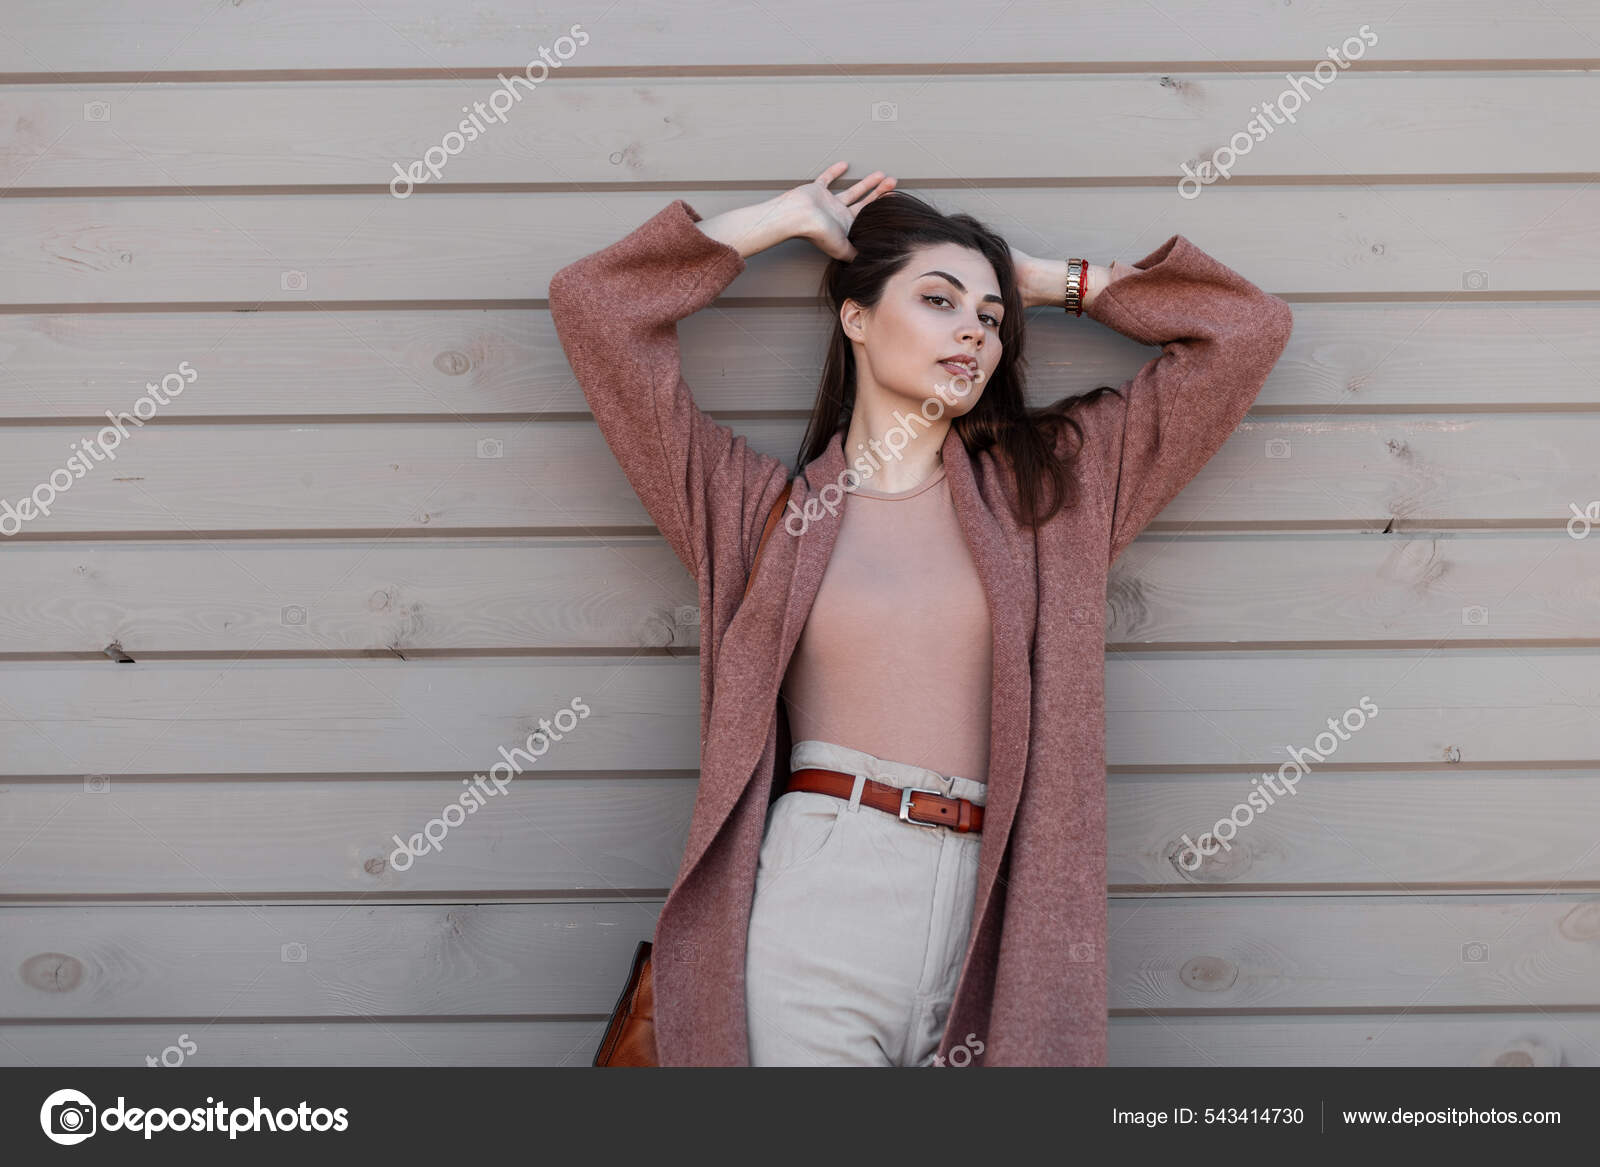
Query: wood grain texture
x=522, y=961
x=383, y=479
x=604, y=131
x=499, y=249
x=608, y=835
x=505, y=364
x=1377, y=1039
x=92, y=35
x=1196, y=711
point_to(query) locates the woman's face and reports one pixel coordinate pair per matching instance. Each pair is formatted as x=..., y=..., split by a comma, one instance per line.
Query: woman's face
x=945, y=302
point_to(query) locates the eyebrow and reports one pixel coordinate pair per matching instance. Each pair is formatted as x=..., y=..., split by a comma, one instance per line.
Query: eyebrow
x=961, y=287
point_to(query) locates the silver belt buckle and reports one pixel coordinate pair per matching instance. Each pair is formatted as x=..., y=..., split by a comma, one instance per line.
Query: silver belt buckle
x=905, y=805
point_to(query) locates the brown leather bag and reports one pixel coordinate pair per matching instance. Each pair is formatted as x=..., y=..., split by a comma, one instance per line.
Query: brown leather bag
x=630, y=1038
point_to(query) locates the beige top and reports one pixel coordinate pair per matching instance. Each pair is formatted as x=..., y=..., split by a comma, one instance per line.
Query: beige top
x=896, y=655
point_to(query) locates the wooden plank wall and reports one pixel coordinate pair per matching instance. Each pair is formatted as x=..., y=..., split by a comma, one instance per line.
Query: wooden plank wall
x=377, y=536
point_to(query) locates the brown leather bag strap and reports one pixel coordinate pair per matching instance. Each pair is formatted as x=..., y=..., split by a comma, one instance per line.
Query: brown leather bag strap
x=772, y=517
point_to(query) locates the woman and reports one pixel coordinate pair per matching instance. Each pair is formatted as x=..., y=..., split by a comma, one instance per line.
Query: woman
x=919, y=879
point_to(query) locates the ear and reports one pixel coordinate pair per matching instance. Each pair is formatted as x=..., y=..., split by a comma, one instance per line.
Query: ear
x=852, y=317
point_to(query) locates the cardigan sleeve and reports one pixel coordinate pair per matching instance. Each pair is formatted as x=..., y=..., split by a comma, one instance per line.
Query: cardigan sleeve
x=1220, y=335
x=616, y=312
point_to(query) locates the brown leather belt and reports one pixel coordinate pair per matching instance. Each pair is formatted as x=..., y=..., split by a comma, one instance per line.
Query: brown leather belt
x=926, y=808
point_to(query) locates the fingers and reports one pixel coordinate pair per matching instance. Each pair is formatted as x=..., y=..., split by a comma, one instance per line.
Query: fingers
x=860, y=188
x=833, y=172
x=884, y=188
x=875, y=179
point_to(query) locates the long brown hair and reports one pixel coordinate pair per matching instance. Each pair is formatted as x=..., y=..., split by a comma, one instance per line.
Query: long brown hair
x=884, y=234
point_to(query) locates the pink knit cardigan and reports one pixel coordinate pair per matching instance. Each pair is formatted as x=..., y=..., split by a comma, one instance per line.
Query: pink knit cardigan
x=1033, y=981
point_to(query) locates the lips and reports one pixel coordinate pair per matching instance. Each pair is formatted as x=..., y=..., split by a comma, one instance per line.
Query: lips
x=961, y=367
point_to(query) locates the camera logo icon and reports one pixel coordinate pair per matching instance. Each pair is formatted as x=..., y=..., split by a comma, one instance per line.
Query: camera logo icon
x=67, y=1117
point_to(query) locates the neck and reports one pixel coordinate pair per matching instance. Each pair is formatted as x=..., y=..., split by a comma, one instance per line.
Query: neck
x=896, y=437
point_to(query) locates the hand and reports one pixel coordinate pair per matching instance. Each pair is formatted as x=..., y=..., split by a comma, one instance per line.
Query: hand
x=825, y=218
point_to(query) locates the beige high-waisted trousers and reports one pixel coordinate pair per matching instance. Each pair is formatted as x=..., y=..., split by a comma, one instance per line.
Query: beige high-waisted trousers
x=860, y=921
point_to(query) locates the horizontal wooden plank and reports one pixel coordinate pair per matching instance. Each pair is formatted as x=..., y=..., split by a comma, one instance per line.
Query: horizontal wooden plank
x=312, y=250
x=1344, y=589
x=347, y=596
x=1296, y=954
x=605, y=835
x=1399, y=831
x=631, y=592
x=1473, y=706
x=385, y=478
x=600, y=836
x=599, y=131
x=520, y=960
x=364, y=1042
x=172, y=35
x=1417, y=953
x=391, y=479
x=453, y=716
x=459, y=365
x=1223, y=711
x=1480, y=1039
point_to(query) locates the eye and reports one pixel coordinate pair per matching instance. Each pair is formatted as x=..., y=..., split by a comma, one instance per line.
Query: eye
x=994, y=320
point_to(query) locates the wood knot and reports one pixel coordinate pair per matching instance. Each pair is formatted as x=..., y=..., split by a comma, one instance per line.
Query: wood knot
x=1223, y=865
x=52, y=972
x=1525, y=1051
x=1582, y=923
x=657, y=631
x=1208, y=974
x=452, y=363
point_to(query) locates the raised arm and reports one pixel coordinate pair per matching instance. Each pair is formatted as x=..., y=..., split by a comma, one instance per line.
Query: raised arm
x=616, y=312
x=1221, y=336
